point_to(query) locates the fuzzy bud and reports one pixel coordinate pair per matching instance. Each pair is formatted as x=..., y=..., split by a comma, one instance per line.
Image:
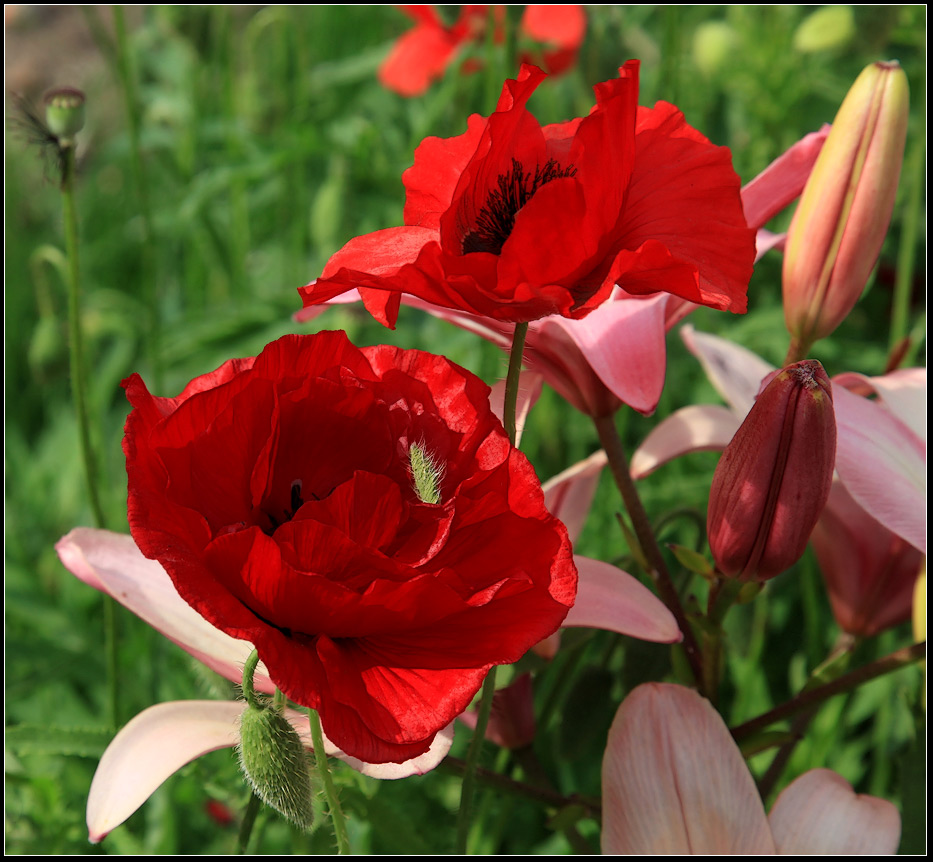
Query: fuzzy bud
x=276, y=764
x=774, y=477
x=836, y=235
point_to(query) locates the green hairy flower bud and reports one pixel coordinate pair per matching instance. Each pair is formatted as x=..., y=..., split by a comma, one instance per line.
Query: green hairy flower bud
x=276, y=764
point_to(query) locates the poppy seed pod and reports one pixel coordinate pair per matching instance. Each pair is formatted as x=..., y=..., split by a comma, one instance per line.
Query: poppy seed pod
x=773, y=479
x=837, y=232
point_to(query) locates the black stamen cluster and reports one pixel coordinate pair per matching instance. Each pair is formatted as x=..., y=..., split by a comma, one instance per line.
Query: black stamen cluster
x=496, y=219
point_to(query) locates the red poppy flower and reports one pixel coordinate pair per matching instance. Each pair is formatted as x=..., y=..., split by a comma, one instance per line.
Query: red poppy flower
x=355, y=515
x=515, y=222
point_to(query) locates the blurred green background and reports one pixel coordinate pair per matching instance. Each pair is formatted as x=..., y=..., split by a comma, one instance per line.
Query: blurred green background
x=266, y=143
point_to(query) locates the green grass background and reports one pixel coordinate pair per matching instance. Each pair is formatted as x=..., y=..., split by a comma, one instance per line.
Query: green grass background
x=266, y=144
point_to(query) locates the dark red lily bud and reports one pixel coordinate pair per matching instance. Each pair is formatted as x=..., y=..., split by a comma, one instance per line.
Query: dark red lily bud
x=773, y=479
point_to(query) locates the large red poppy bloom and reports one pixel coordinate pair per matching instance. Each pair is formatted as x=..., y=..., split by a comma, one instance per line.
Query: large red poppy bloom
x=360, y=517
x=515, y=221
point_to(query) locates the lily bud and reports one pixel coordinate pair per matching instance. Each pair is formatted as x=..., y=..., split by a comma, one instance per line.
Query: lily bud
x=837, y=232
x=773, y=479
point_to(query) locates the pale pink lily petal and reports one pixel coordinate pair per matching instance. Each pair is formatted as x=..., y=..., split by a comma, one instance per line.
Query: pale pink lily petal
x=419, y=765
x=783, y=180
x=698, y=428
x=766, y=241
x=622, y=342
x=674, y=780
x=153, y=746
x=111, y=562
x=820, y=813
x=904, y=393
x=882, y=464
x=165, y=737
x=734, y=371
x=608, y=598
x=569, y=495
x=530, y=384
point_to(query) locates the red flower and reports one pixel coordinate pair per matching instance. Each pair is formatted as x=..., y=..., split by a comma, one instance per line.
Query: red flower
x=355, y=515
x=515, y=222
x=422, y=55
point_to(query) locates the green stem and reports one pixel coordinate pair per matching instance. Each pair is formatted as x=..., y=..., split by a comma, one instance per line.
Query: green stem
x=148, y=258
x=467, y=789
x=511, y=381
x=618, y=463
x=904, y=278
x=489, y=686
x=847, y=682
x=248, y=670
x=330, y=791
x=79, y=394
x=249, y=820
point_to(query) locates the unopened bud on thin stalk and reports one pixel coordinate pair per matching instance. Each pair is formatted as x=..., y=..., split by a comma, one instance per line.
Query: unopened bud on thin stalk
x=773, y=479
x=837, y=232
x=276, y=764
x=64, y=112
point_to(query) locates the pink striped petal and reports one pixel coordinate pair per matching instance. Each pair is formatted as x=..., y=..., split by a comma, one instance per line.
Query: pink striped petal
x=569, y=495
x=821, y=813
x=698, y=428
x=783, y=180
x=675, y=782
x=904, y=393
x=735, y=371
x=111, y=563
x=882, y=463
x=608, y=598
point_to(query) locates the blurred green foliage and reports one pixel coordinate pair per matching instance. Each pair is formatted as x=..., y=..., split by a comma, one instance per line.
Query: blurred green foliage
x=267, y=143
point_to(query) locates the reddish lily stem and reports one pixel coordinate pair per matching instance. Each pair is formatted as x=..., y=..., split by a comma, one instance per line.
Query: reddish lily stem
x=618, y=463
x=846, y=682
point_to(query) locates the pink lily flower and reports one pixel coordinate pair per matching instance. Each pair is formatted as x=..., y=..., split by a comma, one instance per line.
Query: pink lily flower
x=869, y=571
x=179, y=732
x=617, y=353
x=674, y=781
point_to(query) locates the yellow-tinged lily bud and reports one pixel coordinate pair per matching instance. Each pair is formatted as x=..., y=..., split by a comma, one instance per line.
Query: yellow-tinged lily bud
x=773, y=479
x=839, y=227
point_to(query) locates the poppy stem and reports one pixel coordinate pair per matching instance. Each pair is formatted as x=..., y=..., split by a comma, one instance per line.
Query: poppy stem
x=249, y=668
x=330, y=791
x=618, y=463
x=511, y=380
x=847, y=682
x=249, y=819
x=79, y=395
x=472, y=759
x=489, y=686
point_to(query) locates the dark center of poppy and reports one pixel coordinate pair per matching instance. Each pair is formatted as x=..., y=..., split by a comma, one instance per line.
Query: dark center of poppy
x=513, y=190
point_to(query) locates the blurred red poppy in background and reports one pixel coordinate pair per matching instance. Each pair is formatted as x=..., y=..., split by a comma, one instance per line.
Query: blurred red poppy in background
x=422, y=55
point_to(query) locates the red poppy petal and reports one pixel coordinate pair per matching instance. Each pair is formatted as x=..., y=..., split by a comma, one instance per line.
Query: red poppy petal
x=684, y=195
x=419, y=57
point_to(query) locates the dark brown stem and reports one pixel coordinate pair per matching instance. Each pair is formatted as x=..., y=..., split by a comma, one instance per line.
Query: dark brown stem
x=847, y=682
x=489, y=778
x=618, y=463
